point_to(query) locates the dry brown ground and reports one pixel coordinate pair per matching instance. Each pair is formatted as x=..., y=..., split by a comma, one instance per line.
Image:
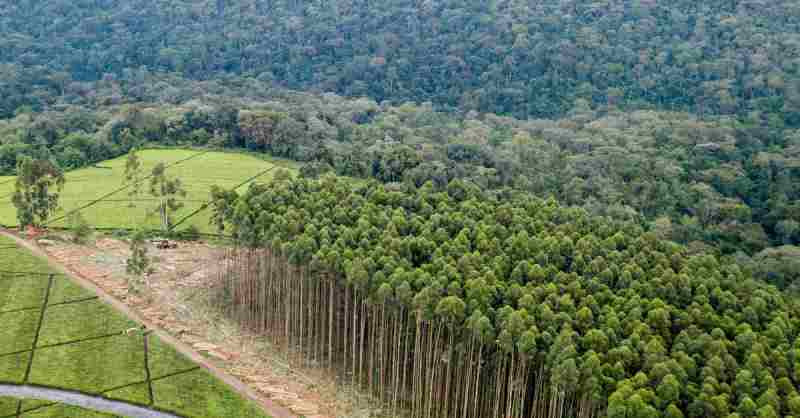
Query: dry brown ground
x=176, y=298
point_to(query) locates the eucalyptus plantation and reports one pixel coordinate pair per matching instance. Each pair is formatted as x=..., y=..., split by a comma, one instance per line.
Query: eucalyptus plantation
x=460, y=304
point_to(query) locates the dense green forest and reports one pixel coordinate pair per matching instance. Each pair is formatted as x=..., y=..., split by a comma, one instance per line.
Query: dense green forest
x=571, y=208
x=718, y=184
x=459, y=303
x=524, y=58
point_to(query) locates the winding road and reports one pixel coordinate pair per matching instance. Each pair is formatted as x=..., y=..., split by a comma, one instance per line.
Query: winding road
x=84, y=401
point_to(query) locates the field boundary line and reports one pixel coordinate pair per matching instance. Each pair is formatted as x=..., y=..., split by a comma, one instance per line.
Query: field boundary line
x=27, y=378
x=104, y=393
x=71, y=302
x=155, y=379
x=204, y=206
x=127, y=185
x=82, y=340
x=146, y=339
x=28, y=273
x=90, y=402
x=31, y=308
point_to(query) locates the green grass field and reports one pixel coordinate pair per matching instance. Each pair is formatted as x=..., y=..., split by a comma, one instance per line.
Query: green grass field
x=198, y=171
x=53, y=333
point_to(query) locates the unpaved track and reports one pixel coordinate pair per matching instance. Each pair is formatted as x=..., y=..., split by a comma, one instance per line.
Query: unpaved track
x=81, y=400
x=271, y=408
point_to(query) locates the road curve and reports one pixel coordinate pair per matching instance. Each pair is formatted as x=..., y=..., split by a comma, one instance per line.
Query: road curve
x=84, y=401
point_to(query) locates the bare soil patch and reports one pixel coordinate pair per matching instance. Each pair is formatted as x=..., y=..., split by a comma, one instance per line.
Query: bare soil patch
x=176, y=299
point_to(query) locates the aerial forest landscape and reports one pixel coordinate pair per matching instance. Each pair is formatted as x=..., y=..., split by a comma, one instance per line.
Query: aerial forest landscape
x=397, y=208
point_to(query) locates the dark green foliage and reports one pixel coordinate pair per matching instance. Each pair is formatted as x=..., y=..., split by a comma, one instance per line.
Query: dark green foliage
x=139, y=262
x=133, y=175
x=527, y=59
x=80, y=229
x=36, y=191
x=596, y=318
x=167, y=191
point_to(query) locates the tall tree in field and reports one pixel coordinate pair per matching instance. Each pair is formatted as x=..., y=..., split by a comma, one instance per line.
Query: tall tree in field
x=133, y=175
x=37, y=189
x=166, y=191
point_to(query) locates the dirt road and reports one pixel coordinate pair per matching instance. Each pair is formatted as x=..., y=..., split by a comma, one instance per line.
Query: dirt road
x=270, y=407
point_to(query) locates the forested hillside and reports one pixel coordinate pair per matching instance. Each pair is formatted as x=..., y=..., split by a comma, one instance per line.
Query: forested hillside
x=523, y=58
x=565, y=208
x=459, y=304
x=719, y=184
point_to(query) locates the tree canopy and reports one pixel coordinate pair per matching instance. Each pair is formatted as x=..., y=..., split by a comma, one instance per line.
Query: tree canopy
x=527, y=59
x=610, y=317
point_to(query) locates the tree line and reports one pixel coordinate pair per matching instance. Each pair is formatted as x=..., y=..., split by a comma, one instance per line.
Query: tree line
x=716, y=184
x=461, y=303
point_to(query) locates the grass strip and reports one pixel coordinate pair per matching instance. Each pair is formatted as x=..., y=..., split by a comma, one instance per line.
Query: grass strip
x=136, y=393
x=8, y=406
x=74, y=321
x=17, y=332
x=12, y=367
x=165, y=360
x=90, y=366
x=205, y=205
x=101, y=198
x=32, y=308
x=198, y=394
x=147, y=367
x=64, y=290
x=22, y=292
x=36, y=338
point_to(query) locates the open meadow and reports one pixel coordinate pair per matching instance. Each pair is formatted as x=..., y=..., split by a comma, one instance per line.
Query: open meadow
x=102, y=196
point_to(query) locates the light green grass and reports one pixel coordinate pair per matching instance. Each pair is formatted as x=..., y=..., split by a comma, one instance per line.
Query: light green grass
x=199, y=395
x=65, y=290
x=20, y=260
x=99, y=362
x=8, y=406
x=81, y=320
x=18, y=330
x=198, y=174
x=91, y=366
x=12, y=367
x=18, y=292
x=136, y=394
x=93, y=182
x=166, y=360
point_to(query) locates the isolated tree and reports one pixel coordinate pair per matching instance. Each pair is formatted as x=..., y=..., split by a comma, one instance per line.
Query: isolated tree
x=222, y=206
x=139, y=262
x=167, y=191
x=80, y=228
x=133, y=176
x=37, y=189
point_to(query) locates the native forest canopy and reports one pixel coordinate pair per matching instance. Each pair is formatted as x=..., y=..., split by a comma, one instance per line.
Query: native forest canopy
x=505, y=208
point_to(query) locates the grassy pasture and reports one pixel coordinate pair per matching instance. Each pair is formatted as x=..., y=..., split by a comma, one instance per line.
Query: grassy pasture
x=82, y=345
x=197, y=170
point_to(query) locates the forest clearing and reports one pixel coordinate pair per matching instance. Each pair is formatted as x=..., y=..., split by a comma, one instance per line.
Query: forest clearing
x=56, y=334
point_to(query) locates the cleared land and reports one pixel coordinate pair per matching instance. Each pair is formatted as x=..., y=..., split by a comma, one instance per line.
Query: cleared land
x=98, y=191
x=55, y=334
